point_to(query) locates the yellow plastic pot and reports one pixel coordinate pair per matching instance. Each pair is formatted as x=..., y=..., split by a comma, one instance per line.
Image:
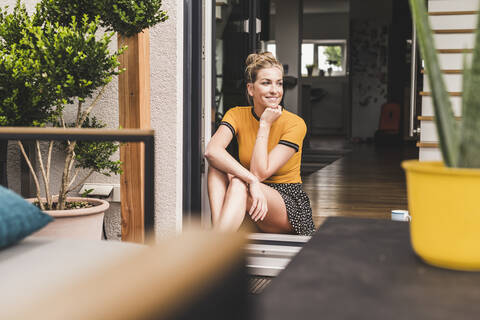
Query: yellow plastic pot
x=445, y=207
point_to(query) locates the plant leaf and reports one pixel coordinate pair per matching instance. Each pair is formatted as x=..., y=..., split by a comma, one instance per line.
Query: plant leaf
x=444, y=118
x=469, y=153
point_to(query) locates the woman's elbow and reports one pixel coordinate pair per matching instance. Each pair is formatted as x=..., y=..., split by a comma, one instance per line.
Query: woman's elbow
x=209, y=153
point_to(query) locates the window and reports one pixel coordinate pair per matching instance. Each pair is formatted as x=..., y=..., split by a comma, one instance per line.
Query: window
x=320, y=56
x=324, y=57
x=271, y=47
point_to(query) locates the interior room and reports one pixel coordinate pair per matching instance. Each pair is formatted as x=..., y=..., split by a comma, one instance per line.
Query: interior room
x=348, y=73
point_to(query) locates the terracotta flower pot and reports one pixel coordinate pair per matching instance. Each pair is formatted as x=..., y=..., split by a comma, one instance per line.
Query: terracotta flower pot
x=85, y=223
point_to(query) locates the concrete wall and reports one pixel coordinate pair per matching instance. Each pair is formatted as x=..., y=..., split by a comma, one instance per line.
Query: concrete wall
x=379, y=11
x=166, y=72
x=368, y=75
x=166, y=50
x=288, y=40
x=370, y=20
x=325, y=6
x=326, y=26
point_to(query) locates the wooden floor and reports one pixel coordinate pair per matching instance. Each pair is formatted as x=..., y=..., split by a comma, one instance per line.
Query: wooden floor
x=368, y=182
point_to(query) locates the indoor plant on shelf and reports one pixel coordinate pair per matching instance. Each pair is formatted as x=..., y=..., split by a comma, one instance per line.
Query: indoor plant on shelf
x=443, y=197
x=46, y=68
x=310, y=69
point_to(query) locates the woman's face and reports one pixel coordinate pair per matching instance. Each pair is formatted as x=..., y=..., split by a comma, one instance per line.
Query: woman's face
x=267, y=90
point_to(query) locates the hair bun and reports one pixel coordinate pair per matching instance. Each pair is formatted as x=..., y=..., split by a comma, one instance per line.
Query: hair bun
x=254, y=58
x=258, y=61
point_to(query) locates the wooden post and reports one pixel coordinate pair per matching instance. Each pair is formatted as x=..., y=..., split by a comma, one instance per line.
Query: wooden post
x=134, y=105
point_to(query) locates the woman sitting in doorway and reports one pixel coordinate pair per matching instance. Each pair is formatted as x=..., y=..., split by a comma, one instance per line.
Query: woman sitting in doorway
x=266, y=183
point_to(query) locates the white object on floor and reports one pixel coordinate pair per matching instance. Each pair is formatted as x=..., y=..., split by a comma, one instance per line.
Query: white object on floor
x=400, y=215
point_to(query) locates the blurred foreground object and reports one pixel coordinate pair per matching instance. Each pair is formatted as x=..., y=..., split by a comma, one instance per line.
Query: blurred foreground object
x=198, y=275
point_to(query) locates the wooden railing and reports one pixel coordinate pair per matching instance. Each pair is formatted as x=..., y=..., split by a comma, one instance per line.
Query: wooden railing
x=452, y=13
x=432, y=118
x=427, y=144
x=447, y=71
x=454, y=50
x=453, y=31
x=452, y=94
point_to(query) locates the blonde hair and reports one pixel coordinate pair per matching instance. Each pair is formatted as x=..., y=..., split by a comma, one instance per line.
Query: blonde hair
x=257, y=61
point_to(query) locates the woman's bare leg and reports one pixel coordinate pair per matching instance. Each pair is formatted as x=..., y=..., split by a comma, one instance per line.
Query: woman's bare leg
x=229, y=201
x=217, y=184
x=234, y=206
x=276, y=220
x=238, y=202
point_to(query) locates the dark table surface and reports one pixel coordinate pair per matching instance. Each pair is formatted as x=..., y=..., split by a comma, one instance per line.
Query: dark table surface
x=366, y=269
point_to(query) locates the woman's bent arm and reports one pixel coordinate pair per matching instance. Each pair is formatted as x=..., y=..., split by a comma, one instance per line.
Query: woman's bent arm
x=219, y=158
x=264, y=164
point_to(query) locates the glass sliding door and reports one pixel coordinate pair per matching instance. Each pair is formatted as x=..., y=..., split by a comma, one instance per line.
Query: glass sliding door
x=241, y=27
x=232, y=45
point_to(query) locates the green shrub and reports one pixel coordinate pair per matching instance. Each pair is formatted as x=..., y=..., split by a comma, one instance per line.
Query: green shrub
x=95, y=156
x=45, y=67
x=123, y=16
x=27, y=96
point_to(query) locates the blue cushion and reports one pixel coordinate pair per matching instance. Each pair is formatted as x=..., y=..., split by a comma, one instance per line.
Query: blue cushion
x=18, y=218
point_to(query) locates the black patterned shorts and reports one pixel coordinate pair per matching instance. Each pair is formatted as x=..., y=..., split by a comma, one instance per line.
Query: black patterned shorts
x=299, y=212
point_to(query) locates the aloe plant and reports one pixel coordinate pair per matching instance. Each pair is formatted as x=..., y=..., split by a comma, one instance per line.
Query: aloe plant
x=469, y=153
x=459, y=140
x=447, y=127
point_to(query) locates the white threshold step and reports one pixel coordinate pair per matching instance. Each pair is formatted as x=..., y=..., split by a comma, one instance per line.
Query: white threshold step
x=275, y=237
x=269, y=253
x=274, y=251
x=266, y=266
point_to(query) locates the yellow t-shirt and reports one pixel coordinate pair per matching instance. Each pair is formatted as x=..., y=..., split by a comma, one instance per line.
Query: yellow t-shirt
x=289, y=129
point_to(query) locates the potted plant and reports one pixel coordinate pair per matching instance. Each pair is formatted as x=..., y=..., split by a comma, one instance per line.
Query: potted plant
x=329, y=70
x=54, y=60
x=129, y=19
x=443, y=196
x=45, y=68
x=310, y=69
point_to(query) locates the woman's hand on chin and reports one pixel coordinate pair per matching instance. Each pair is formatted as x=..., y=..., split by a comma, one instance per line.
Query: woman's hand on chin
x=259, y=209
x=271, y=114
